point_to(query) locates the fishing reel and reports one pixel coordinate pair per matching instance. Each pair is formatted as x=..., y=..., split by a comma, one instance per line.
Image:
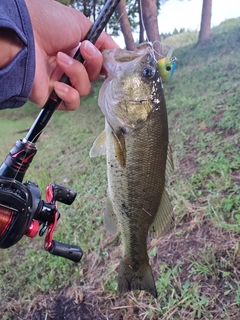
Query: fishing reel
x=23, y=212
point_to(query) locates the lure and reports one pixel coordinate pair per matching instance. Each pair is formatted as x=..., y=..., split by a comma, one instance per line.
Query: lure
x=166, y=66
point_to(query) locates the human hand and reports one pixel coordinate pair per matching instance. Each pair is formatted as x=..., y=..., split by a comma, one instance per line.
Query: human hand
x=57, y=32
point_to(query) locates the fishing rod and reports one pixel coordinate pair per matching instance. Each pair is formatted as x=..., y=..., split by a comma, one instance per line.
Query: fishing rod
x=22, y=211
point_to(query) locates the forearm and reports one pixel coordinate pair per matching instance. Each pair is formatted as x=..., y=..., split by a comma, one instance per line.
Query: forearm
x=31, y=68
x=10, y=45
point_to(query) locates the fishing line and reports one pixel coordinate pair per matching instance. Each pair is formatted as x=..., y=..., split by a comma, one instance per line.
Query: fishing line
x=141, y=14
x=157, y=41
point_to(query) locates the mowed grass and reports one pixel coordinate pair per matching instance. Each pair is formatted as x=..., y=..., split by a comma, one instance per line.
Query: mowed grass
x=197, y=267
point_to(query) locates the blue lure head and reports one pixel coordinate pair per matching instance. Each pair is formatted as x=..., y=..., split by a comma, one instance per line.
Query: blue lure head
x=174, y=63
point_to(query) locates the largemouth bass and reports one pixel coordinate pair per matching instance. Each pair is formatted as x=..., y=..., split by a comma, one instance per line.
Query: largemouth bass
x=135, y=141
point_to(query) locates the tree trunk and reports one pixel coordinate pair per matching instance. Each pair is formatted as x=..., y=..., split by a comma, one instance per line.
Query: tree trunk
x=94, y=10
x=141, y=27
x=150, y=22
x=205, y=29
x=125, y=26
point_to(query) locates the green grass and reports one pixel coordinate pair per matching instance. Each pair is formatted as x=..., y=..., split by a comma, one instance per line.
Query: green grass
x=197, y=267
x=180, y=39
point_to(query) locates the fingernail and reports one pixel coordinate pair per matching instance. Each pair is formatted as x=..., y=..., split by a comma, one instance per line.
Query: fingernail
x=64, y=58
x=90, y=48
x=61, y=87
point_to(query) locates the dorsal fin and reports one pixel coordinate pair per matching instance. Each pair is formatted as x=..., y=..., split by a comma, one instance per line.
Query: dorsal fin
x=170, y=164
x=169, y=54
x=164, y=220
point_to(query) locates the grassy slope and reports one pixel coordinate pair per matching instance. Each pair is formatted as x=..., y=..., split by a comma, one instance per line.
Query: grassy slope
x=197, y=267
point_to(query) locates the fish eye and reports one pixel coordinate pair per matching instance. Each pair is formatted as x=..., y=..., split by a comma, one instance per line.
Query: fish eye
x=168, y=68
x=148, y=72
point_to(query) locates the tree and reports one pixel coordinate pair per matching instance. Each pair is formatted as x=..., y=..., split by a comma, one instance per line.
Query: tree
x=141, y=26
x=125, y=26
x=89, y=8
x=133, y=15
x=150, y=22
x=205, y=29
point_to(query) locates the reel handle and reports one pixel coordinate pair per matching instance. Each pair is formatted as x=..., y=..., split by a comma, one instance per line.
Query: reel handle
x=67, y=251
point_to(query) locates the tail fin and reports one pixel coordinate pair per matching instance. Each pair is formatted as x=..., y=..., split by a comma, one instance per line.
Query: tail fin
x=131, y=279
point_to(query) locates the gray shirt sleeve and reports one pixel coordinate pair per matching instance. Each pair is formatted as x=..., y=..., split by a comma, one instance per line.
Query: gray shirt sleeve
x=16, y=79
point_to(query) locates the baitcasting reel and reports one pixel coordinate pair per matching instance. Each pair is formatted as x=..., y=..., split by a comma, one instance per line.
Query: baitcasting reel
x=23, y=212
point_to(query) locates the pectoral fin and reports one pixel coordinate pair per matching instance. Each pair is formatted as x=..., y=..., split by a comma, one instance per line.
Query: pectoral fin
x=110, y=218
x=120, y=148
x=99, y=146
x=164, y=220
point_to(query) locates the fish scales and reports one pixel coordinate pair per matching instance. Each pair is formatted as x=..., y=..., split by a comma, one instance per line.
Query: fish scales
x=139, y=184
x=136, y=134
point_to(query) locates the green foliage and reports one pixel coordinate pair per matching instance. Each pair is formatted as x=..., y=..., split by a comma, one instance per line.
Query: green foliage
x=237, y=297
x=176, y=294
x=91, y=9
x=175, y=31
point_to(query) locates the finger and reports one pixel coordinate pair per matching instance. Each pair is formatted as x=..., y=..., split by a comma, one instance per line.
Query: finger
x=106, y=42
x=76, y=72
x=69, y=95
x=93, y=59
